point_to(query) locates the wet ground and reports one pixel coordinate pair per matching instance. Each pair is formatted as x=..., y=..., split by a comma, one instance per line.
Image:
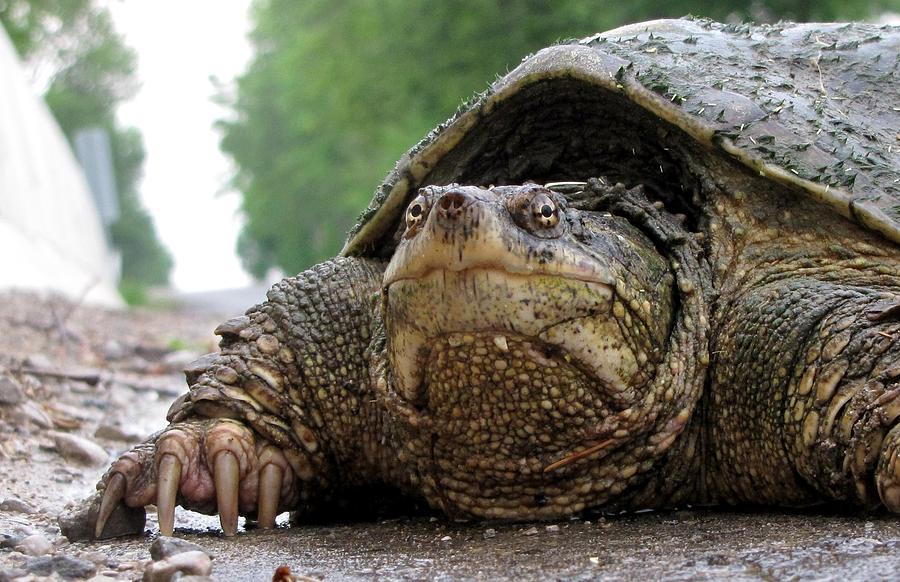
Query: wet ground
x=107, y=378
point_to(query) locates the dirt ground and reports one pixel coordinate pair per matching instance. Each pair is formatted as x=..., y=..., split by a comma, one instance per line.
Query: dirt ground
x=79, y=385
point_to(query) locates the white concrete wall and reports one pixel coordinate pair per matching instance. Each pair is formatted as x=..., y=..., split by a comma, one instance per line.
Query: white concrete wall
x=51, y=237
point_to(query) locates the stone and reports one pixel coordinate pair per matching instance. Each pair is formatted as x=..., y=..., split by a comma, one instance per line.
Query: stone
x=78, y=524
x=65, y=567
x=10, y=391
x=39, y=361
x=10, y=574
x=193, y=563
x=96, y=557
x=34, y=545
x=9, y=541
x=117, y=433
x=80, y=450
x=113, y=350
x=16, y=506
x=30, y=412
x=166, y=547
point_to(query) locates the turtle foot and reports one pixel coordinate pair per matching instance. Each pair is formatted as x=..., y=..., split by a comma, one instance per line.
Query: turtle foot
x=215, y=466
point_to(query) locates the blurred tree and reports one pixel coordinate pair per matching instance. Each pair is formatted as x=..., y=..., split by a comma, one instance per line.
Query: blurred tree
x=337, y=90
x=74, y=51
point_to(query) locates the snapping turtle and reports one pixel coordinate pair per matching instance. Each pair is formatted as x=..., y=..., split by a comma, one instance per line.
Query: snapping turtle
x=654, y=267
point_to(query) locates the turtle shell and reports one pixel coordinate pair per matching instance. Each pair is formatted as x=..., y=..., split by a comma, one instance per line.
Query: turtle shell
x=812, y=106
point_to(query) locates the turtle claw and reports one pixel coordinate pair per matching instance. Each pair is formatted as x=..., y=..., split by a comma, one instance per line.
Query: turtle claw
x=112, y=496
x=168, y=480
x=270, y=480
x=227, y=473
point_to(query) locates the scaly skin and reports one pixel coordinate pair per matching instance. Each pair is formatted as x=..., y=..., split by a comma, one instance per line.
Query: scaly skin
x=295, y=369
x=504, y=365
x=804, y=373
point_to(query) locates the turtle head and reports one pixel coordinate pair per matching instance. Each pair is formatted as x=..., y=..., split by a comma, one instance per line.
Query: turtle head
x=521, y=327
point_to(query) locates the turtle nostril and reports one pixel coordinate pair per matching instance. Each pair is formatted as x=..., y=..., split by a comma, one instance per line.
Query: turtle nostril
x=451, y=202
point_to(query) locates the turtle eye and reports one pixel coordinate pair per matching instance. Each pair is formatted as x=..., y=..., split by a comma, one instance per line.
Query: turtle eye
x=545, y=211
x=415, y=214
x=538, y=211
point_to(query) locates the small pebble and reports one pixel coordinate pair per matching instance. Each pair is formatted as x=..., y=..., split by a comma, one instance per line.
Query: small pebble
x=166, y=547
x=77, y=524
x=489, y=533
x=10, y=574
x=552, y=528
x=446, y=539
x=530, y=532
x=595, y=560
x=16, y=506
x=113, y=350
x=79, y=449
x=10, y=540
x=193, y=563
x=10, y=391
x=34, y=545
x=116, y=433
x=95, y=557
x=30, y=411
x=39, y=361
x=64, y=566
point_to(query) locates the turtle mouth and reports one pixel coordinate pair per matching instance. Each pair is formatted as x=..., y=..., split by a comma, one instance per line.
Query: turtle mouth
x=574, y=274
x=556, y=315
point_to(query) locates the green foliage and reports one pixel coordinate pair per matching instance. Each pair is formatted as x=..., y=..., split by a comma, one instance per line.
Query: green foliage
x=144, y=260
x=89, y=70
x=338, y=90
x=42, y=26
x=132, y=293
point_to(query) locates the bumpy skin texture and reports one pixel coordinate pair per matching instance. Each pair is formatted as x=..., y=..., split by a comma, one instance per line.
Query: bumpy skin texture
x=508, y=365
x=723, y=330
x=809, y=345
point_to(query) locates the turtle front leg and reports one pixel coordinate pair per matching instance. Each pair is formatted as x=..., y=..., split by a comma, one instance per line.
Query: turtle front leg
x=806, y=395
x=283, y=411
x=843, y=416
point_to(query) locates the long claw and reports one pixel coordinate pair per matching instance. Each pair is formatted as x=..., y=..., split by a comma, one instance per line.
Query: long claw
x=168, y=479
x=269, y=495
x=227, y=474
x=115, y=491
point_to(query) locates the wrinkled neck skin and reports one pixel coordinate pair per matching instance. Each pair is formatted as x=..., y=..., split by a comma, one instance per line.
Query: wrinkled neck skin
x=534, y=366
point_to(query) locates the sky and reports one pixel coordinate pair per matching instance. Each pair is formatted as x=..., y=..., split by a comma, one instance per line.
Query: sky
x=180, y=45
